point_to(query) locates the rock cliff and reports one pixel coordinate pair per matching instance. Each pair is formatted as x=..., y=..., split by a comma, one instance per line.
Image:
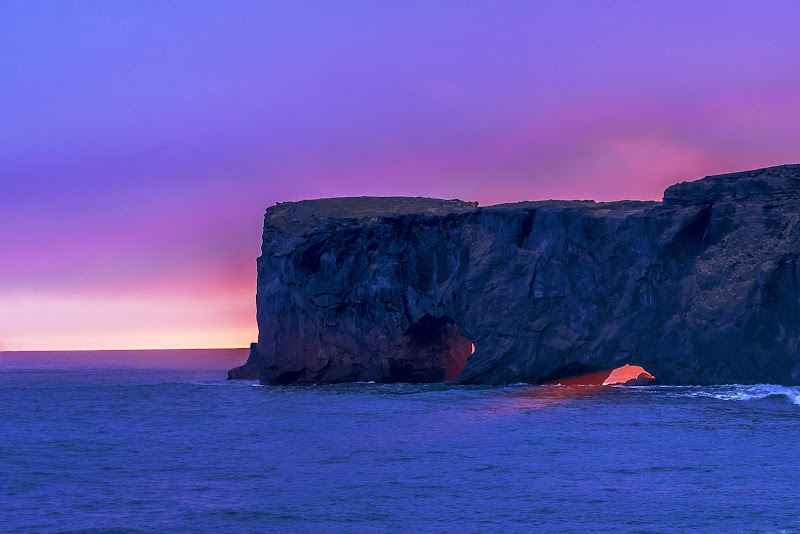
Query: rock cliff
x=701, y=288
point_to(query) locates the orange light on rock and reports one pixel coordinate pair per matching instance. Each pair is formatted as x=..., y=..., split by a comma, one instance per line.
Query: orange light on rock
x=628, y=375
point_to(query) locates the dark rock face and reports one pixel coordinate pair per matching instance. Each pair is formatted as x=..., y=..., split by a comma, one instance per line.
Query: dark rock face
x=701, y=288
x=251, y=370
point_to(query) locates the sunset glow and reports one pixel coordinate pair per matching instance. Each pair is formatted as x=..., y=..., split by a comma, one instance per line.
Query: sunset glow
x=94, y=323
x=141, y=144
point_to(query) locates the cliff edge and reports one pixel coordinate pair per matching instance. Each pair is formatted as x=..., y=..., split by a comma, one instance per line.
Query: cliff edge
x=701, y=288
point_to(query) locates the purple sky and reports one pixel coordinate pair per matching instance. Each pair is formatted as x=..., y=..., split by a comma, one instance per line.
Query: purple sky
x=142, y=141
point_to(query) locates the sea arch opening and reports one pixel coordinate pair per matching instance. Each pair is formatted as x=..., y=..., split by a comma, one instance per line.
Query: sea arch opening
x=578, y=374
x=441, y=340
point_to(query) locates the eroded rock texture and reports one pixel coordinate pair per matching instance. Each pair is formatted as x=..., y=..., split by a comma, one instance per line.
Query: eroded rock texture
x=701, y=288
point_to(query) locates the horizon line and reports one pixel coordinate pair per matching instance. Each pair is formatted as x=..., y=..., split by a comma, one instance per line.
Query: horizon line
x=124, y=350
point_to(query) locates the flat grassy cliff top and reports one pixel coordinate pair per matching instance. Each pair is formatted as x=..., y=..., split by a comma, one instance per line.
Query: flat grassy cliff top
x=771, y=184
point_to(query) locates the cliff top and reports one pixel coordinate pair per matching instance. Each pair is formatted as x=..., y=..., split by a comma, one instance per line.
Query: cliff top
x=768, y=184
x=359, y=207
x=779, y=183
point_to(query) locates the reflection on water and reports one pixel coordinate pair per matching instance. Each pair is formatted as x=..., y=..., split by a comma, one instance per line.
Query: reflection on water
x=545, y=396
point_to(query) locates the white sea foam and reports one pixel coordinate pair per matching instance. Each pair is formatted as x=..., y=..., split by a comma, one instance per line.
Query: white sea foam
x=748, y=393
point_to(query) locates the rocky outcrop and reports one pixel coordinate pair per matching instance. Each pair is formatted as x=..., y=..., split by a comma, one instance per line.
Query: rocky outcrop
x=701, y=288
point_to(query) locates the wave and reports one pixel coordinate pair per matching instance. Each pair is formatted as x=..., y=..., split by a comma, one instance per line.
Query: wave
x=749, y=393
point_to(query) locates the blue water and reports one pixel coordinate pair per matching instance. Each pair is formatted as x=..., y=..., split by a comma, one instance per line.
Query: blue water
x=161, y=450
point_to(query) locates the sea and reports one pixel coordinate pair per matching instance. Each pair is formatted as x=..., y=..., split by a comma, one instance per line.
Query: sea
x=159, y=441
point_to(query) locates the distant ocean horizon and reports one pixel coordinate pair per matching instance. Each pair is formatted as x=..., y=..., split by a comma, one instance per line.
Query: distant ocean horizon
x=159, y=441
x=213, y=358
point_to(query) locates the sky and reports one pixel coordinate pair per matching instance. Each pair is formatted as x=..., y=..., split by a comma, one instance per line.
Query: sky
x=141, y=141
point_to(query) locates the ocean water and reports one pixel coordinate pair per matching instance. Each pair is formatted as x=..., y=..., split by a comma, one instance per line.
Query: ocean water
x=91, y=447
